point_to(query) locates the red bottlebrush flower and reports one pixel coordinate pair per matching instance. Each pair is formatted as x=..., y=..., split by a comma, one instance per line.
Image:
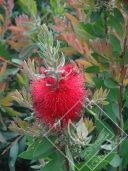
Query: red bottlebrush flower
x=53, y=99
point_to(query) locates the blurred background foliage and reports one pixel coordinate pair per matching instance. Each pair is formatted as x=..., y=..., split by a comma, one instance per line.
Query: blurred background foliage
x=92, y=33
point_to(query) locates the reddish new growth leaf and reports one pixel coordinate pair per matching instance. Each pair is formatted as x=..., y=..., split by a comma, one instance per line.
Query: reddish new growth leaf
x=54, y=99
x=67, y=34
x=60, y=25
x=1, y=2
x=10, y=5
x=75, y=43
x=19, y=38
x=22, y=19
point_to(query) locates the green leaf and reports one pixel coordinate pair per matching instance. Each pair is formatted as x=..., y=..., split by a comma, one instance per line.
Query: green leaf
x=115, y=24
x=56, y=163
x=98, y=29
x=98, y=82
x=116, y=161
x=100, y=125
x=2, y=138
x=38, y=149
x=118, y=15
x=105, y=161
x=124, y=148
x=95, y=16
x=109, y=110
x=126, y=125
x=10, y=111
x=3, y=51
x=22, y=144
x=57, y=6
x=110, y=83
x=95, y=30
x=29, y=6
x=17, y=61
x=115, y=108
x=88, y=28
x=115, y=44
x=113, y=94
x=53, y=3
x=13, y=156
x=92, y=69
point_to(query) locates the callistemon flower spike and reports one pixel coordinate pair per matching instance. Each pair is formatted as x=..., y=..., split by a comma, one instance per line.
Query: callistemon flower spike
x=59, y=95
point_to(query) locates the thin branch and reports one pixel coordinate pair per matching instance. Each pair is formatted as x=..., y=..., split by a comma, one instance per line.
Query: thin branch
x=121, y=90
x=11, y=144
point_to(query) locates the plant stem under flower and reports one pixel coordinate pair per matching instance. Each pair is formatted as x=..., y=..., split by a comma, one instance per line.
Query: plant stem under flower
x=67, y=164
